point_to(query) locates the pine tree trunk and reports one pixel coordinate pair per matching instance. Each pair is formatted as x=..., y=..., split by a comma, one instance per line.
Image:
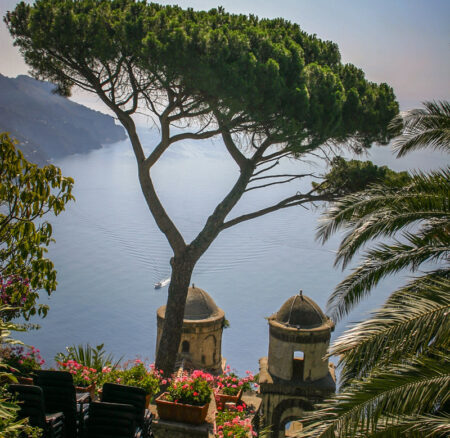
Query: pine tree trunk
x=182, y=268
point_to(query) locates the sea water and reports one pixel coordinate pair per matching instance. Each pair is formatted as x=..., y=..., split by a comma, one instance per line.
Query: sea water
x=109, y=252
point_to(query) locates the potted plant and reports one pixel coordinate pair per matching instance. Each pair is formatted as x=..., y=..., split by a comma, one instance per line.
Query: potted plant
x=108, y=375
x=229, y=386
x=187, y=398
x=84, y=378
x=22, y=361
x=147, y=378
x=235, y=422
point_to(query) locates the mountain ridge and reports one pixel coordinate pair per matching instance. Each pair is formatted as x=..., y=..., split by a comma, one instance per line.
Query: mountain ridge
x=48, y=126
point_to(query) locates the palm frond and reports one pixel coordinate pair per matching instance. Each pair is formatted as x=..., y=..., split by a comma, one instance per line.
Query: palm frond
x=381, y=212
x=429, y=127
x=412, y=319
x=391, y=392
x=411, y=426
x=429, y=425
x=379, y=262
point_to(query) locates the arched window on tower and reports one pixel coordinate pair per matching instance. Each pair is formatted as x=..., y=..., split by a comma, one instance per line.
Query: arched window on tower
x=185, y=347
x=298, y=365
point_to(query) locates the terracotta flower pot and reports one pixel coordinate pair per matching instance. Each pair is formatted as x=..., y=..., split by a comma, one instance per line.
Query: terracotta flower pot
x=180, y=412
x=222, y=398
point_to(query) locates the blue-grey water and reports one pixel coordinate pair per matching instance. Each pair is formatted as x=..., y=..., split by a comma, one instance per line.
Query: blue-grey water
x=109, y=252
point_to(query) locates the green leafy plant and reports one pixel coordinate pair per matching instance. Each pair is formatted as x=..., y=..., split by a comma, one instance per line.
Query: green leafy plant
x=20, y=359
x=10, y=425
x=109, y=375
x=92, y=357
x=230, y=383
x=27, y=194
x=147, y=378
x=348, y=176
x=82, y=375
x=395, y=379
x=191, y=389
x=234, y=421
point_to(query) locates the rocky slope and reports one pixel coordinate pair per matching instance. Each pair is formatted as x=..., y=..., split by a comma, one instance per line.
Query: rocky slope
x=49, y=126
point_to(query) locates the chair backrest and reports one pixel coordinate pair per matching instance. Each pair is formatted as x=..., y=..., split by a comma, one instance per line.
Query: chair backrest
x=132, y=395
x=59, y=396
x=111, y=420
x=31, y=401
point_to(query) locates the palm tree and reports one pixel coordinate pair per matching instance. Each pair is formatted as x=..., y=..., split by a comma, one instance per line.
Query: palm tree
x=395, y=377
x=423, y=128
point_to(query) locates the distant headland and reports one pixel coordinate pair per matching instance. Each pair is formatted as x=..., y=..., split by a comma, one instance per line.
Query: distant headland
x=49, y=126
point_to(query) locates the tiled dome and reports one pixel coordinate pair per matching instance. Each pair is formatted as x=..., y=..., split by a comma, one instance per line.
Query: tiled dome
x=302, y=312
x=199, y=305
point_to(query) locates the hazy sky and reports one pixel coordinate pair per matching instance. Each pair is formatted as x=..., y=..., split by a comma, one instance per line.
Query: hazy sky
x=405, y=43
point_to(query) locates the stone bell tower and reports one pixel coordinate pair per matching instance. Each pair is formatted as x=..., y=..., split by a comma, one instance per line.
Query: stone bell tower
x=201, y=334
x=295, y=376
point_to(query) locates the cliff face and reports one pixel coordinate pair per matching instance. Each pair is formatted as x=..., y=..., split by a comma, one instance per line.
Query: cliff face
x=49, y=126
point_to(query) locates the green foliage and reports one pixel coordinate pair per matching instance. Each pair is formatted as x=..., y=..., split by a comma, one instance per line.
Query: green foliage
x=423, y=128
x=384, y=211
x=268, y=88
x=374, y=406
x=92, y=357
x=194, y=389
x=353, y=176
x=27, y=193
x=230, y=383
x=389, y=336
x=21, y=360
x=10, y=426
x=273, y=74
x=395, y=378
x=138, y=375
x=234, y=422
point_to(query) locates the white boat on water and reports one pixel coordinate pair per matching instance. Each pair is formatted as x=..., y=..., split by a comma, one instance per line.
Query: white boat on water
x=162, y=283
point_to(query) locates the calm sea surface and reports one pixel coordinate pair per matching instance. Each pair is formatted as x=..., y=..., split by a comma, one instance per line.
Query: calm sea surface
x=109, y=252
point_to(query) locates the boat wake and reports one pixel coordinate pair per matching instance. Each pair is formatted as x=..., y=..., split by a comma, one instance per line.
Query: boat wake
x=162, y=283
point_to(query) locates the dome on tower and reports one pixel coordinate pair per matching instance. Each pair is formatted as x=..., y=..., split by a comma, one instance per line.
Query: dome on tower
x=302, y=312
x=201, y=334
x=199, y=304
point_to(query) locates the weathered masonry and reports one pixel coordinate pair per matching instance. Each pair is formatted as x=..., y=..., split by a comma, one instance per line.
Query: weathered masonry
x=201, y=336
x=295, y=376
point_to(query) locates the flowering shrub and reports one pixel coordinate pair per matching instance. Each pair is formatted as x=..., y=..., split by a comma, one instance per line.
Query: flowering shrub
x=232, y=422
x=82, y=375
x=15, y=293
x=229, y=383
x=92, y=357
x=108, y=375
x=147, y=378
x=194, y=389
x=20, y=359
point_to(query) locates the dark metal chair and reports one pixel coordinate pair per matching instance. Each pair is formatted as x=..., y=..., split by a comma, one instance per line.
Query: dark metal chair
x=132, y=395
x=60, y=395
x=31, y=401
x=111, y=420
